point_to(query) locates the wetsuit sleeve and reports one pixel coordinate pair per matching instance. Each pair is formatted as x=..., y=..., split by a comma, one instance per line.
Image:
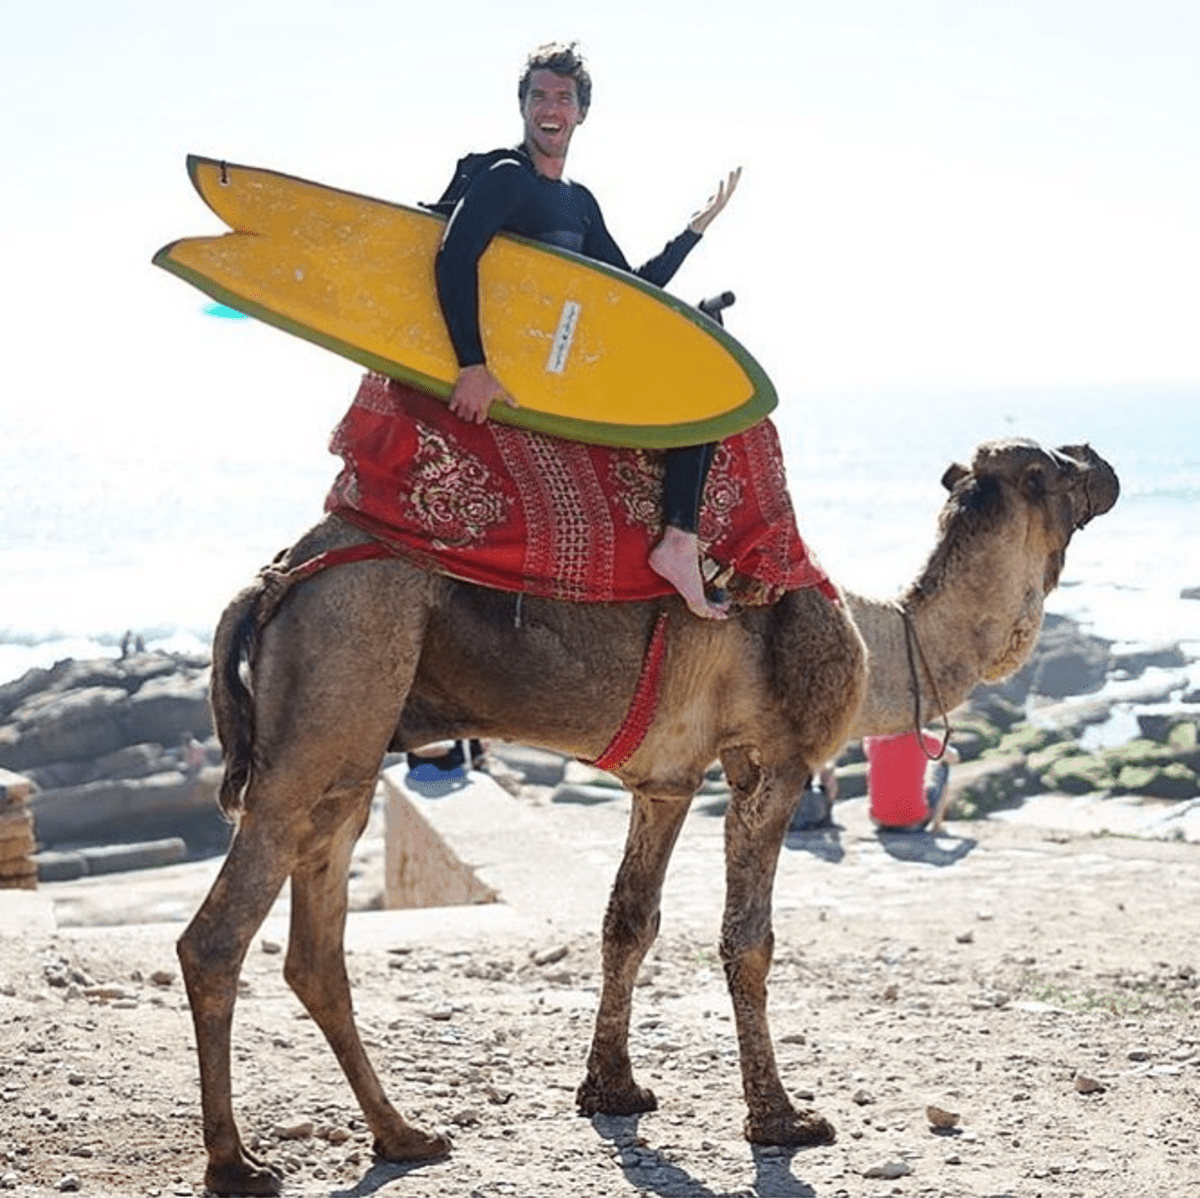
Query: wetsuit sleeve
x=476, y=219
x=599, y=244
x=660, y=269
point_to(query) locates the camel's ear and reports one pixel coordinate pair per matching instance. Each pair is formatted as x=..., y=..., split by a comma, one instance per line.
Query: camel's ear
x=954, y=475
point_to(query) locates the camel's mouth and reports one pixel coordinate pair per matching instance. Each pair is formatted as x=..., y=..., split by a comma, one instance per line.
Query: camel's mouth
x=1093, y=483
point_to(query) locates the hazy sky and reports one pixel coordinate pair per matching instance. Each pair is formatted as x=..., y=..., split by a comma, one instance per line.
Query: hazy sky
x=935, y=191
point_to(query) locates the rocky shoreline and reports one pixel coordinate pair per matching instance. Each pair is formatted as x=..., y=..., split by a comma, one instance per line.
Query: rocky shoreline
x=124, y=765
x=1048, y=728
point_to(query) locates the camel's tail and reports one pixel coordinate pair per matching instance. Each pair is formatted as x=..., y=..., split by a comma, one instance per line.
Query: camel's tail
x=234, y=648
x=232, y=703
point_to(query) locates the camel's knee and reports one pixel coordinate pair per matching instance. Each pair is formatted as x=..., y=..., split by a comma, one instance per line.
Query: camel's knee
x=748, y=961
x=629, y=927
x=321, y=988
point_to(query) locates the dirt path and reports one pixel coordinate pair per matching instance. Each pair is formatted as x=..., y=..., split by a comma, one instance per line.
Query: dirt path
x=1042, y=986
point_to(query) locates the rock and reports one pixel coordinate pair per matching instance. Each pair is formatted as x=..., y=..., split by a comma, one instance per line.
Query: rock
x=100, y=993
x=1190, y=593
x=1068, y=662
x=940, y=1118
x=294, y=1131
x=1043, y=760
x=999, y=712
x=69, y=1183
x=974, y=734
x=852, y=779
x=1027, y=740
x=862, y=1098
x=1088, y=1085
x=1160, y=782
x=1080, y=773
x=1185, y=735
x=991, y=998
x=889, y=1170
x=1136, y=662
x=63, y=727
x=989, y=784
x=101, y=741
x=109, y=859
x=1157, y=726
x=551, y=956
x=107, y=810
x=271, y=948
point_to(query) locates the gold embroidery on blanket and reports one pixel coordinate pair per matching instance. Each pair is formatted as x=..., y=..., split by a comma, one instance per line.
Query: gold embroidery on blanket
x=452, y=496
x=639, y=475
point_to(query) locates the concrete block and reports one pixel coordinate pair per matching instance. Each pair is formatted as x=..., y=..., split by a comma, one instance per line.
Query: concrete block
x=480, y=844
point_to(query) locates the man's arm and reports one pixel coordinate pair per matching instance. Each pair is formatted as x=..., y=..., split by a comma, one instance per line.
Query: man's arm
x=660, y=269
x=477, y=218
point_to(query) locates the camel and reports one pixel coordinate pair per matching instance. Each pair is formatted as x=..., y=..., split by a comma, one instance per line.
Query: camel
x=313, y=683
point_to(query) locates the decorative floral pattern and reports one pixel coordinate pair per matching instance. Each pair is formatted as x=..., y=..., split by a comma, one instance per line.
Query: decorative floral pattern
x=637, y=481
x=450, y=494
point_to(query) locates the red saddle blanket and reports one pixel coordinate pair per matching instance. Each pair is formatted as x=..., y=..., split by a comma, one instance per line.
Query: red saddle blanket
x=521, y=511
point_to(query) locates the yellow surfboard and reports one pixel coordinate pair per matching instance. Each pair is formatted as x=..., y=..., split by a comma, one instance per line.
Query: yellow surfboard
x=591, y=353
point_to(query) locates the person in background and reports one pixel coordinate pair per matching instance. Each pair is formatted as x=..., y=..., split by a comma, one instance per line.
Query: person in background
x=905, y=794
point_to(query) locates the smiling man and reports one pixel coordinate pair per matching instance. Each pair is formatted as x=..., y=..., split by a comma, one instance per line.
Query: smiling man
x=524, y=190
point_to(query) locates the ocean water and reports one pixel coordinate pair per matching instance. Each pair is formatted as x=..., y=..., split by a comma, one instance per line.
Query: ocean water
x=152, y=530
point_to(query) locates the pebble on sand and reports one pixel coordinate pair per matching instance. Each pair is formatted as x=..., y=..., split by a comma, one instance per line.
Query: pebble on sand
x=940, y=1118
x=889, y=1170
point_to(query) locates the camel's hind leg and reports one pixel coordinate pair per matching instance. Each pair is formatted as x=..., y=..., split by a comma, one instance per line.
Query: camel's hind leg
x=755, y=826
x=630, y=925
x=211, y=951
x=316, y=970
x=330, y=676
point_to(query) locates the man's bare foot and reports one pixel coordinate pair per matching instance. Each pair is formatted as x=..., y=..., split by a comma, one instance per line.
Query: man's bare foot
x=677, y=559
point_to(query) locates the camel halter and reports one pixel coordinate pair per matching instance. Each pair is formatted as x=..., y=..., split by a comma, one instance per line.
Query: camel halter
x=912, y=647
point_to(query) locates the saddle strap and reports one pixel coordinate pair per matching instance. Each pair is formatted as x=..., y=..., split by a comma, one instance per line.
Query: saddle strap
x=644, y=705
x=277, y=582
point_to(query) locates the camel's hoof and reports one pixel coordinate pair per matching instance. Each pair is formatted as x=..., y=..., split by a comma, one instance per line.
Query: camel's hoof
x=592, y=1098
x=243, y=1178
x=410, y=1144
x=791, y=1129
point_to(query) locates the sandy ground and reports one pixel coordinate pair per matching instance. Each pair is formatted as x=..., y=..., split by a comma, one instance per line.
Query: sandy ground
x=1039, y=982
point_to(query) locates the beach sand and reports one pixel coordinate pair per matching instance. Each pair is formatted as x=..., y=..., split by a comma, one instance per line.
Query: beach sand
x=1040, y=982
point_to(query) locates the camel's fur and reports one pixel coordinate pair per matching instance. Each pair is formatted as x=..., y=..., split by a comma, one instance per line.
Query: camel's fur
x=380, y=653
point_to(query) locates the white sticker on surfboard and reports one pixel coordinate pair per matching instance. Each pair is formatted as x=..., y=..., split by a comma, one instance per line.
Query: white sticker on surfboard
x=564, y=335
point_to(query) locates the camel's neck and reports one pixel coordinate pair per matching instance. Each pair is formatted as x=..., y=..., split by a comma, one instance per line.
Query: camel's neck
x=966, y=634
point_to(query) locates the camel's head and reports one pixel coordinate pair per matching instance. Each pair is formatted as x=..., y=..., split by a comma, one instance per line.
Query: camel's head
x=1067, y=487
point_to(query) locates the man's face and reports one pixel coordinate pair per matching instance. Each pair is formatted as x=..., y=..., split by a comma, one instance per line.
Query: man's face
x=551, y=112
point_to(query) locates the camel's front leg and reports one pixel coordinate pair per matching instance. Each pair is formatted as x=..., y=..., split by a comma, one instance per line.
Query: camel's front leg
x=630, y=925
x=755, y=826
x=316, y=970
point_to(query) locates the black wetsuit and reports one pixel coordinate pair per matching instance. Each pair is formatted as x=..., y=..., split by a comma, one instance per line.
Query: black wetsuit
x=508, y=193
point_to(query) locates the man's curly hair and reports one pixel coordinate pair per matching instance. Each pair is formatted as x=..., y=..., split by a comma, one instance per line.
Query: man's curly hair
x=562, y=59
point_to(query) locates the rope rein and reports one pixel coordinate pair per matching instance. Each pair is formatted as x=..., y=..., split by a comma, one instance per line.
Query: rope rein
x=913, y=649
